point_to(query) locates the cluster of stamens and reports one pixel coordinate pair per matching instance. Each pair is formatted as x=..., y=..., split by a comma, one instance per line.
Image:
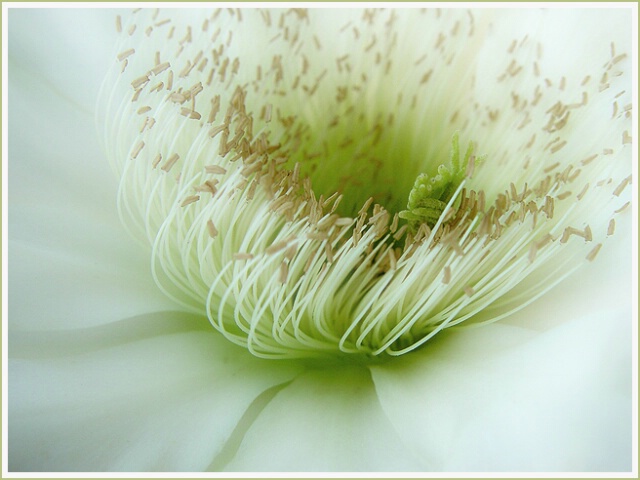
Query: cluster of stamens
x=275, y=188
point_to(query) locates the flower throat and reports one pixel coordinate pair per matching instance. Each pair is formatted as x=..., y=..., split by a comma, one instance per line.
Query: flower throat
x=361, y=153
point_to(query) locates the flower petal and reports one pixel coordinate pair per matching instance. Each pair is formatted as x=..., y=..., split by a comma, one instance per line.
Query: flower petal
x=70, y=48
x=69, y=257
x=157, y=392
x=573, y=41
x=326, y=420
x=506, y=398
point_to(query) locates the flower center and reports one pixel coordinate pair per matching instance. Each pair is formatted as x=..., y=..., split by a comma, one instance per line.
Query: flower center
x=273, y=188
x=363, y=152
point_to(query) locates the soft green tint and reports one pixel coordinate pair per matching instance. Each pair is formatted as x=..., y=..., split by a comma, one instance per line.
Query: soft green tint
x=363, y=149
x=431, y=193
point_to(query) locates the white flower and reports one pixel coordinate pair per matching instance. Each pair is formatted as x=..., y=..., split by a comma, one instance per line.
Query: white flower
x=120, y=380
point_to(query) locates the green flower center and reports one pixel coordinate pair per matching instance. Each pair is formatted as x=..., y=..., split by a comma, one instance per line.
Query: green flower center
x=431, y=193
x=399, y=158
x=302, y=199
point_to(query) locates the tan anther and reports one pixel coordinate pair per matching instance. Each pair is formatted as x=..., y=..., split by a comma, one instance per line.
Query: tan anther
x=170, y=162
x=125, y=54
x=563, y=195
x=446, y=278
x=215, y=169
x=140, y=81
x=170, y=80
x=217, y=129
x=623, y=208
x=137, y=149
x=594, y=252
x=283, y=272
x=569, y=231
x=189, y=200
x=158, y=69
x=620, y=188
x=242, y=256
x=583, y=192
x=276, y=247
x=548, y=206
x=189, y=113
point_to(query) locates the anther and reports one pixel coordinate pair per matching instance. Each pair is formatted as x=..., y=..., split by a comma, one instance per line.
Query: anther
x=170, y=162
x=592, y=254
x=189, y=200
x=620, y=188
x=137, y=149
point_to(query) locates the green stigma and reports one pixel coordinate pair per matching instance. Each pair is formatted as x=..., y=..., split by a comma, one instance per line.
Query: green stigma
x=431, y=194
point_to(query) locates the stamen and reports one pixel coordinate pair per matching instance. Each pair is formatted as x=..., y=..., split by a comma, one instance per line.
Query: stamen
x=305, y=160
x=189, y=200
x=620, y=188
x=592, y=254
x=213, y=231
x=137, y=149
x=170, y=162
x=125, y=54
x=215, y=169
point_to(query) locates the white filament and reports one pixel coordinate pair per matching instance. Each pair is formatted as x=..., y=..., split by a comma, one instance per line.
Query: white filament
x=288, y=273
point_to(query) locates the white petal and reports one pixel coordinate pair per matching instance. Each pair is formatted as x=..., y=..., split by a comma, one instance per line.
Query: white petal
x=604, y=285
x=71, y=48
x=159, y=392
x=507, y=398
x=548, y=389
x=326, y=420
x=573, y=41
x=69, y=257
